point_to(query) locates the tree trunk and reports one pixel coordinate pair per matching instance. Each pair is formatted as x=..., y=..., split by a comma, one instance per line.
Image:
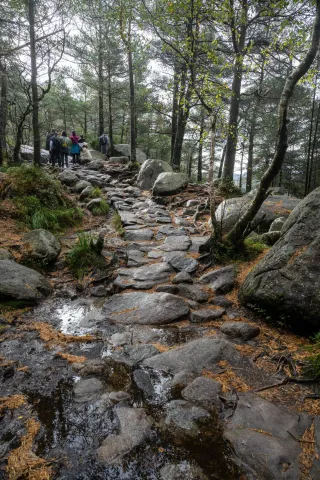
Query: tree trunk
x=200, y=150
x=34, y=86
x=307, y=183
x=110, y=110
x=183, y=115
x=223, y=156
x=132, y=99
x=250, y=156
x=212, y=197
x=236, y=235
x=100, y=84
x=174, y=116
x=315, y=136
x=3, y=112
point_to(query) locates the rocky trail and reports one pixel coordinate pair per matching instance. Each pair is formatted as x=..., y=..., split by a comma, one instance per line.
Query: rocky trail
x=151, y=369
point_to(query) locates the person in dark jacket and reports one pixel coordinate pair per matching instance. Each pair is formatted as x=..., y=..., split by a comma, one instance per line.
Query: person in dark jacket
x=104, y=142
x=48, y=138
x=55, y=149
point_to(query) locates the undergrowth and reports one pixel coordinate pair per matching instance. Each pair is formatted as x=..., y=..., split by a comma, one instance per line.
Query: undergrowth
x=227, y=189
x=96, y=193
x=39, y=199
x=134, y=166
x=85, y=255
x=100, y=209
x=117, y=224
x=312, y=365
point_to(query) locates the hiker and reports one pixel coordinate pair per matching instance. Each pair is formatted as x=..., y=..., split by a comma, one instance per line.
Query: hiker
x=82, y=141
x=65, y=146
x=75, y=148
x=55, y=149
x=48, y=138
x=103, y=142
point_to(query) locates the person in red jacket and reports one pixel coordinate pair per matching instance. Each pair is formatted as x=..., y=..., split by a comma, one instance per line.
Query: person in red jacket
x=75, y=148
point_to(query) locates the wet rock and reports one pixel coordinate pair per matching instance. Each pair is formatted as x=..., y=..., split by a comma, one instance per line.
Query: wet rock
x=193, y=292
x=135, y=428
x=203, y=391
x=120, y=396
x=145, y=308
x=95, y=366
x=277, y=224
x=270, y=238
x=197, y=355
x=5, y=255
x=87, y=390
x=21, y=283
x=206, y=315
x=44, y=246
x=150, y=171
x=221, y=280
x=86, y=192
x=138, y=235
x=99, y=291
x=176, y=243
x=143, y=277
x=167, y=289
x=132, y=355
x=183, y=419
x=182, y=277
x=69, y=178
x=259, y=434
x=242, y=330
x=229, y=211
x=169, y=183
x=221, y=301
x=80, y=186
x=187, y=264
x=181, y=471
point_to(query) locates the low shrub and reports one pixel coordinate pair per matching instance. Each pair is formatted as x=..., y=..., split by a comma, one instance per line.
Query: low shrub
x=117, y=224
x=96, y=193
x=85, y=255
x=134, y=166
x=254, y=246
x=101, y=209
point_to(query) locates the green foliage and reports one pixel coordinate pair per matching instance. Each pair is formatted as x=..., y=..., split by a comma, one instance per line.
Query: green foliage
x=134, y=166
x=96, y=193
x=312, y=365
x=85, y=255
x=117, y=224
x=228, y=189
x=101, y=209
x=254, y=246
x=55, y=220
x=34, y=181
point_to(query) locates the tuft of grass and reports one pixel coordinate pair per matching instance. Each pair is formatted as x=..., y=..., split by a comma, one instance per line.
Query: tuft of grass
x=254, y=246
x=101, y=209
x=134, y=166
x=96, y=193
x=312, y=362
x=117, y=224
x=85, y=255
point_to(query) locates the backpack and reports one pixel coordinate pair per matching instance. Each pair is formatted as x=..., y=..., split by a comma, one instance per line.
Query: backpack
x=56, y=145
x=64, y=142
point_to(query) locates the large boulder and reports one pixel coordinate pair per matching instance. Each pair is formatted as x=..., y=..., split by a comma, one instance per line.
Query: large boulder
x=229, y=211
x=286, y=281
x=169, y=183
x=150, y=171
x=145, y=308
x=266, y=438
x=21, y=283
x=44, y=246
x=68, y=178
x=27, y=153
x=124, y=150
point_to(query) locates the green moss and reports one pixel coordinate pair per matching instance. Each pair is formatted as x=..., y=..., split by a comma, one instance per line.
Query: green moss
x=117, y=224
x=254, y=246
x=134, y=166
x=8, y=305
